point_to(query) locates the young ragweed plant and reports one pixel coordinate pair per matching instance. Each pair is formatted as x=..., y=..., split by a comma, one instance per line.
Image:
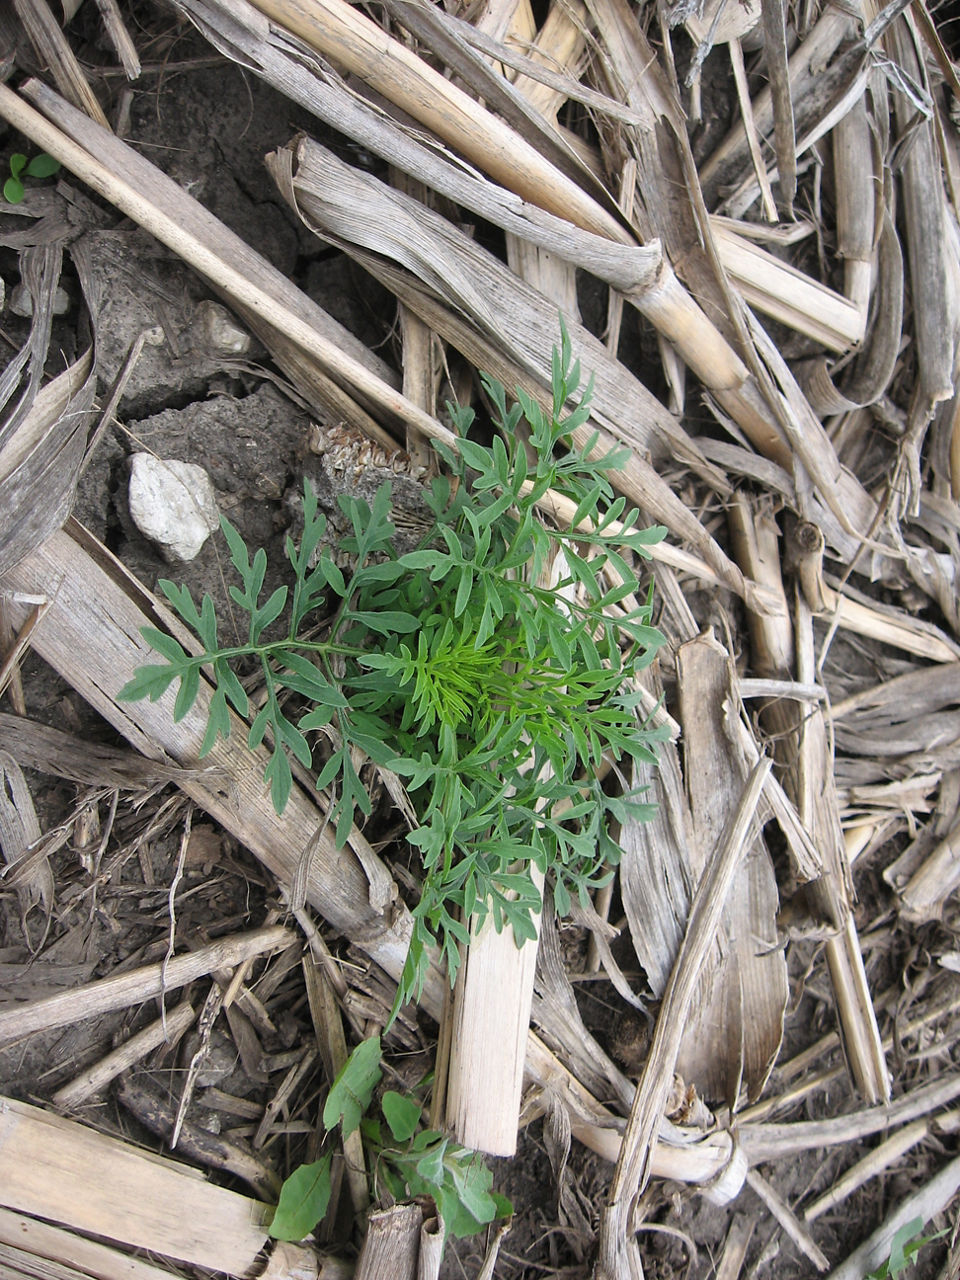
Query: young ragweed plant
x=494, y=696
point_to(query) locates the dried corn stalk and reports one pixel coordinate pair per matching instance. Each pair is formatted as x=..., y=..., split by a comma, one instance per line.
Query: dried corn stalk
x=43, y=432
x=733, y=1032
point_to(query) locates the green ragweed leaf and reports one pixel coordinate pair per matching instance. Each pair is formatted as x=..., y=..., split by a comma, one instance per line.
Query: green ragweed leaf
x=301, y=675
x=261, y=618
x=42, y=166
x=151, y=682
x=904, y=1246
x=352, y=1092
x=202, y=621
x=401, y=1113
x=303, y=1201
x=218, y=725
x=187, y=693
x=279, y=777
x=231, y=686
x=430, y=1165
x=165, y=645
x=472, y=1181
x=387, y=621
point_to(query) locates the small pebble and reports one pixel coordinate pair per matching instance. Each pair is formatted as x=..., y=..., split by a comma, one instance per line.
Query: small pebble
x=221, y=333
x=173, y=504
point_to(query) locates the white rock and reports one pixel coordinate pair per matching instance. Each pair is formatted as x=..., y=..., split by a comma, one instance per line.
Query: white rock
x=220, y=332
x=173, y=504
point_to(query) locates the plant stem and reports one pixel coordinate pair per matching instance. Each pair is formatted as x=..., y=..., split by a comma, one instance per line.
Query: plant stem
x=322, y=647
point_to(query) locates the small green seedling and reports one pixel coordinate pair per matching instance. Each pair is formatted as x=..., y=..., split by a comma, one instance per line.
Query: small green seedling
x=903, y=1249
x=405, y=1160
x=41, y=166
